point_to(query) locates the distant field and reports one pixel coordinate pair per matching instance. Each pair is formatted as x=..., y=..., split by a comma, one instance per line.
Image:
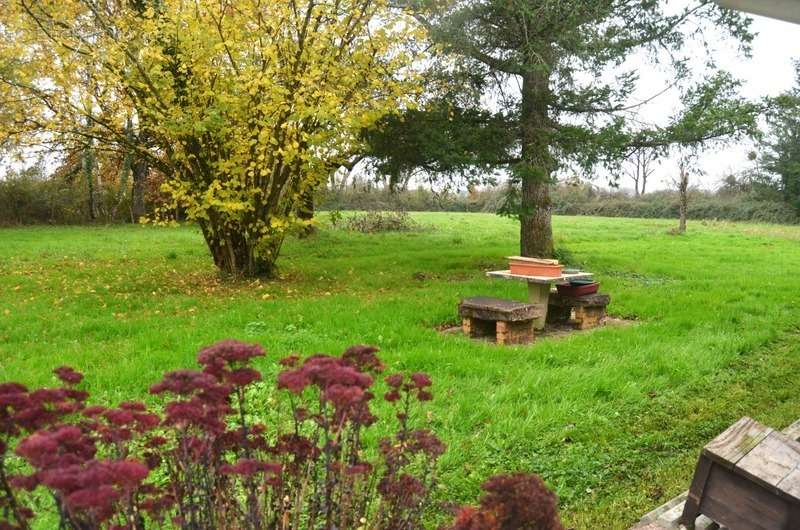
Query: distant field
x=613, y=419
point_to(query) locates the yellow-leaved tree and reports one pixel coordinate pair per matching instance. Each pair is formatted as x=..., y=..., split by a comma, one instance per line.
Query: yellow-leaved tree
x=245, y=106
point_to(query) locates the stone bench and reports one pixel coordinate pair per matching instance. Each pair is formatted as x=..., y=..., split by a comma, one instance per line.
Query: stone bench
x=584, y=312
x=507, y=321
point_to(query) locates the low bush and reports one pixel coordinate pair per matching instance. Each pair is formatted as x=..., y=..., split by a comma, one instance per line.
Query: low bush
x=584, y=200
x=31, y=197
x=380, y=221
x=577, y=200
x=486, y=200
x=209, y=460
x=27, y=199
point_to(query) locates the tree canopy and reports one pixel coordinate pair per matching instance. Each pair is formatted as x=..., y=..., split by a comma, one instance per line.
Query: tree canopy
x=558, y=72
x=243, y=106
x=781, y=156
x=439, y=140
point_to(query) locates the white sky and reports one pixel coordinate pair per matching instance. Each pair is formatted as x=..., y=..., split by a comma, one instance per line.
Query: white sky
x=768, y=73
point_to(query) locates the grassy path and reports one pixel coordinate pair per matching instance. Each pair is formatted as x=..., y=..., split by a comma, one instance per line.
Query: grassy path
x=613, y=419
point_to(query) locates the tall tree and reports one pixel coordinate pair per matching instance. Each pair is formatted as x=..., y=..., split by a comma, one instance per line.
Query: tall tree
x=781, y=156
x=641, y=166
x=683, y=191
x=713, y=114
x=549, y=61
x=246, y=105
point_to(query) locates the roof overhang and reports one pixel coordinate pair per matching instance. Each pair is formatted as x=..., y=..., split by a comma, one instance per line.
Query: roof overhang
x=788, y=10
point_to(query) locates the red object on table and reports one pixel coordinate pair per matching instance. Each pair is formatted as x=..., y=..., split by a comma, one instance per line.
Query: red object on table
x=534, y=267
x=577, y=289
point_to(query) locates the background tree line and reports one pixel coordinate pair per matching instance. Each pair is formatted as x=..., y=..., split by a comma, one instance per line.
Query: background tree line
x=29, y=197
x=239, y=121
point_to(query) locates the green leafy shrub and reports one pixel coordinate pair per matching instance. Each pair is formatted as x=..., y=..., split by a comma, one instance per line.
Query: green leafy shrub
x=26, y=198
x=372, y=222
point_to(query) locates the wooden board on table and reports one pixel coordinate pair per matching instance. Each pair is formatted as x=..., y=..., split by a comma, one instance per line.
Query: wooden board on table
x=506, y=275
x=765, y=456
x=737, y=440
x=539, y=261
x=772, y=462
x=793, y=431
x=749, y=428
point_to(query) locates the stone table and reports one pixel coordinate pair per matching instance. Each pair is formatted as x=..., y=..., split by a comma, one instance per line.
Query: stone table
x=539, y=289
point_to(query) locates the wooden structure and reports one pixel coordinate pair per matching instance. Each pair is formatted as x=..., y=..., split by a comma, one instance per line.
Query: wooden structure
x=539, y=289
x=523, y=266
x=748, y=478
x=507, y=321
x=584, y=312
x=763, y=506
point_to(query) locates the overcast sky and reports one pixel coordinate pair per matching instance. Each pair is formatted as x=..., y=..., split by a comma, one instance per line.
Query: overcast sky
x=769, y=72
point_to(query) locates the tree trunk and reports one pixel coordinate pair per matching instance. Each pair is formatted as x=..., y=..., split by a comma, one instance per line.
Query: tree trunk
x=535, y=173
x=87, y=163
x=536, y=228
x=683, y=192
x=306, y=213
x=236, y=255
x=139, y=171
x=88, y=168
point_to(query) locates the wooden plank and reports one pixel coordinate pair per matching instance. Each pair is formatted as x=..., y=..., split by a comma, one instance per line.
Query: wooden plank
x=737, y=440
x=666, y=516
x=793, y=431
x=691, y=508
x=790, y=485
x=535, y=260
x=564, y=278
x=771, y=460
x=737, y=503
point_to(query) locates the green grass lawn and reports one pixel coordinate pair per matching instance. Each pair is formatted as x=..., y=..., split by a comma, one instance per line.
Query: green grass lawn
x=613, y=418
